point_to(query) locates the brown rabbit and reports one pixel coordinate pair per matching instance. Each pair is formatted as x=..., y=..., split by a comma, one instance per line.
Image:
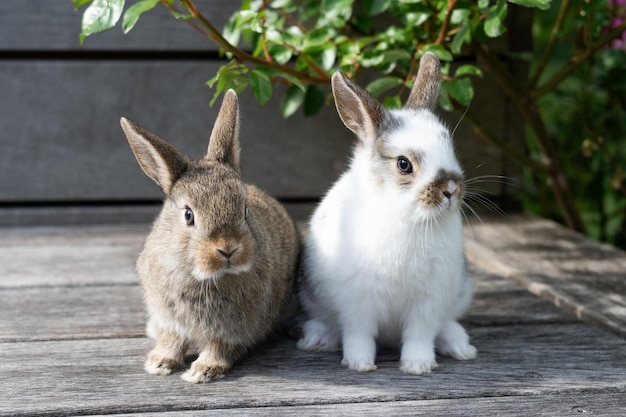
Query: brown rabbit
x=218, y=267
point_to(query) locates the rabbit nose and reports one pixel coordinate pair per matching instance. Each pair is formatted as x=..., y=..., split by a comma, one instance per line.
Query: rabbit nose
x=447, y=194
x=226, y=254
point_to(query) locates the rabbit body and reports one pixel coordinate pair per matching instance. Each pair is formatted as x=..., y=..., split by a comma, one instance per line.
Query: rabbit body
x=218, y=267
x=384, y=259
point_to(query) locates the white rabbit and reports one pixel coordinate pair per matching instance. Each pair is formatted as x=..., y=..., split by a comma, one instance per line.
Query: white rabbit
x=384, y=258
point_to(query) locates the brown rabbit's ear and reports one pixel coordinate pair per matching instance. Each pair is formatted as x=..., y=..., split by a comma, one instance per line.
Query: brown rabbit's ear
x=158, y=159
x=425, y=90
x=359, y=111
x=224, y=141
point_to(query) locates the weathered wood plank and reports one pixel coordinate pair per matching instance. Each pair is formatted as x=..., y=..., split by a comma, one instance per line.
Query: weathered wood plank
x=53, y=256
x=61, y=313
x=577, y=274
x=106, y=376
x=604, y=404
x=35, y=25
x=65, y=143
x=48, y=312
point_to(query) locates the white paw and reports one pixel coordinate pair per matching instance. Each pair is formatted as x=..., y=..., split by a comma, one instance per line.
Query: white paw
x=461, y=352
x=318, y=338
x=359, y=365
x=454, y=342
x=418, y=366
x=154, y=368
x=198, y=374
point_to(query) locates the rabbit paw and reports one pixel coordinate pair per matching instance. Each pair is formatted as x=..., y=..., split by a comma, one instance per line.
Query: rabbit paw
x=318, y=338
x=454, y=342
x=159, y=365
x=359, y=364
x=418, y=366
x=202, y=372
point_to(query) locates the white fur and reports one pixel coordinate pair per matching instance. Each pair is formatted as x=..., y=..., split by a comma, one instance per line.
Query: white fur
x=380, y=267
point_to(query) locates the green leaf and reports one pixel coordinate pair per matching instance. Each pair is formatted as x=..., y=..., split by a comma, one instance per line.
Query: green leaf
x=461, y=90
x=228, y=76
x=459, y=38
x=379, y=86
x=392, y=102
x=444, y=99
x=371, y=58
x=440, y=52
x=313, y=100
x=468, y=69
x=261, y=86
x=131, y=16
x=483, y=4
x=374, y=7
x=394, y=55
x=79, y=3
x=493, y=22
x=540, y=4
x=293, y=99
x=279, y=53
x=101, y=15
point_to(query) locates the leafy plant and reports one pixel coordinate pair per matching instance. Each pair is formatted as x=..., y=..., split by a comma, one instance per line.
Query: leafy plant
x=300, y=43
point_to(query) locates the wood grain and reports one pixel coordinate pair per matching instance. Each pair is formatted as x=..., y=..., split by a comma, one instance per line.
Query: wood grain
x=34, y=25
x=106, y=375
x=582, y=276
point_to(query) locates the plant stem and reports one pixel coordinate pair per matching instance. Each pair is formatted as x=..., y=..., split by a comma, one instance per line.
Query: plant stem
x=526, y=107
x=239, y=54
x=576, y=60
x=551, y=43
x=446, y=22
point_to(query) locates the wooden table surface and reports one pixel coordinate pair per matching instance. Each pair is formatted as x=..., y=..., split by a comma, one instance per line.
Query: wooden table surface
x=72, y=336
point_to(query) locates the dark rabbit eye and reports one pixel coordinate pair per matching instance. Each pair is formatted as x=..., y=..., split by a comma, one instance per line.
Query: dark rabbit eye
x=245, y=211
x=404, y=165
x=189, y=216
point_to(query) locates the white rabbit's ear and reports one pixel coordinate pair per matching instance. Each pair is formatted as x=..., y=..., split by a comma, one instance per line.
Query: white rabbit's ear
x=158, y=159
x=224, y=141
x=425, y=90
x=359, y=111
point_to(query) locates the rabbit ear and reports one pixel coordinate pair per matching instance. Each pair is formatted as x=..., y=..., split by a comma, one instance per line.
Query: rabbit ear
x=359, y=111
x=224, y=141
x=425, y=90
x=158, y=159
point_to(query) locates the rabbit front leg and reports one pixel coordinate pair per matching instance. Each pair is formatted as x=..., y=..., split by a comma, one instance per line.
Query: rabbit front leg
x=214, y=360
x=359, y=329
x=168, y=354
x=418, y=344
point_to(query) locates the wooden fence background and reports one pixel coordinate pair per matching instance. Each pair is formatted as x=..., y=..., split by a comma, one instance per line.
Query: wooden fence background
x=64, y=159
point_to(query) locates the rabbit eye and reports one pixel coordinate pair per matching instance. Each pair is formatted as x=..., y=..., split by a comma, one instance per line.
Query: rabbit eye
x=245, y=211
x=189, y=216
x=404, y=165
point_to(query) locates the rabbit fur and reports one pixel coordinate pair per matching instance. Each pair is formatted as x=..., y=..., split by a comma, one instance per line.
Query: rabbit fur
x=218, y=267
x=384, y=259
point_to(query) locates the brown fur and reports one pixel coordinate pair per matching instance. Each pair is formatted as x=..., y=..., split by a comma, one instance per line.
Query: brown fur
x=196, y=297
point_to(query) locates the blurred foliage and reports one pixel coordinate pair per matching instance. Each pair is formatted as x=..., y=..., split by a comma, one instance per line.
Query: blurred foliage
x=585, y=116
x=572, y=102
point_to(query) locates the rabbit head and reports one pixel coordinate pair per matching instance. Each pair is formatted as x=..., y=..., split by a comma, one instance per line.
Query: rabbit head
x=204, y=216
x=408, y=153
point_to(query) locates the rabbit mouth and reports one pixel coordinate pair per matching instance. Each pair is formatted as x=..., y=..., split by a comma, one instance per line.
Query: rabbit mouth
x=205, y=273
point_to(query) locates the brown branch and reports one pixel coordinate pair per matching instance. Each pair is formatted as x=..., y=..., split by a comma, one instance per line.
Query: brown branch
x=551, y=44
x=266, y=51
x=240, y=55
x=576, y=60
x=526, y=107
x=446, y=22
